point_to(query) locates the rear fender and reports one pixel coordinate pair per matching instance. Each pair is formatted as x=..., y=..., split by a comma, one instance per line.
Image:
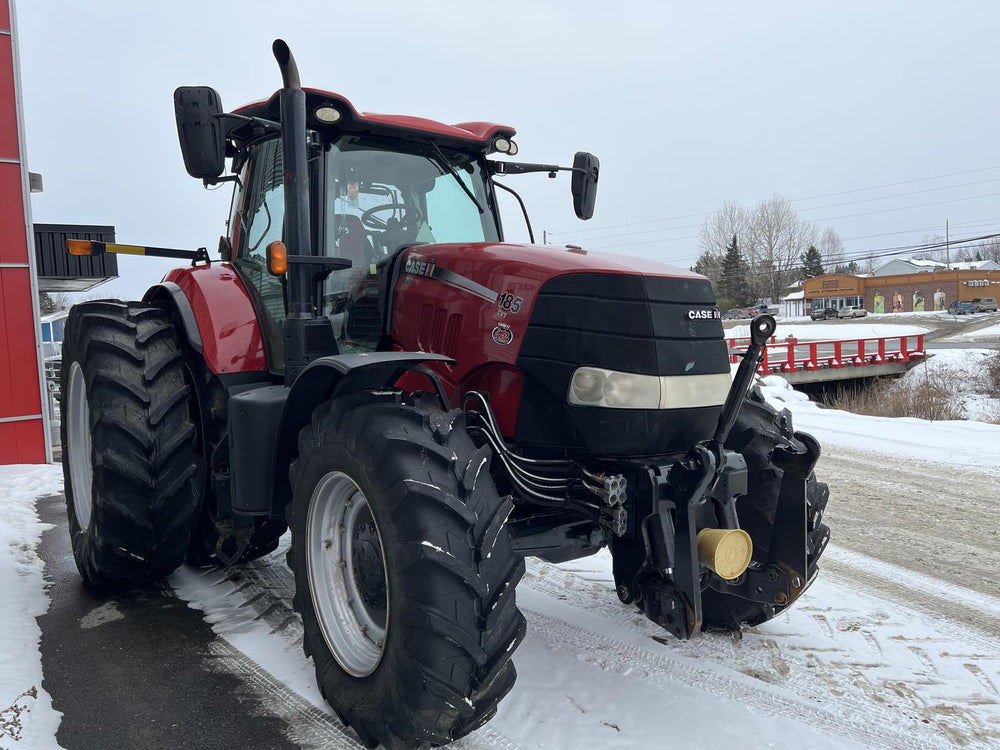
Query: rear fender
x=323, y=379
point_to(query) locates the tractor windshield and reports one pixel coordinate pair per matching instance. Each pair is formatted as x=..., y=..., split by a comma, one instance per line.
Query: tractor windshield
x=383, y=195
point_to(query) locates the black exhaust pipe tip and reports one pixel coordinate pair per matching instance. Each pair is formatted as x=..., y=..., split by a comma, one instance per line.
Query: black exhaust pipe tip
x=286, y=64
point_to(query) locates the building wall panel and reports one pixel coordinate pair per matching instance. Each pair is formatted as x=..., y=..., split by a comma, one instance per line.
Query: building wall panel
x=22, y=424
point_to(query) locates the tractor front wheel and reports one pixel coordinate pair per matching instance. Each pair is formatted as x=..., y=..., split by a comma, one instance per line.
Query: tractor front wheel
x=404, y=570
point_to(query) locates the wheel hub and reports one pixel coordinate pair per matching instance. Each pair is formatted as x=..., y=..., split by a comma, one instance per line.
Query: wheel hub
x=368, y=569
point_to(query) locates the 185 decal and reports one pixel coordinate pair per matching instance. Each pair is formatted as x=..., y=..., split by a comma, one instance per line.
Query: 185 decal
x=510, y=303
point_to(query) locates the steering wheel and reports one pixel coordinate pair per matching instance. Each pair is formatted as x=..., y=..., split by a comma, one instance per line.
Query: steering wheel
x=411, y=216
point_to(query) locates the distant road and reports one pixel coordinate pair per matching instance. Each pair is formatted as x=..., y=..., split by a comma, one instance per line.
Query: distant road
x=962, y=345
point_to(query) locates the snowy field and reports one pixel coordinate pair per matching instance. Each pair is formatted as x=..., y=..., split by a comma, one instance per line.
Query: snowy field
x=882, y=651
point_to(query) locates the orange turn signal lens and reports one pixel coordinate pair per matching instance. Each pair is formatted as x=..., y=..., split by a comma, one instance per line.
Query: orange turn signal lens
x=277, y=258
x=78, y=247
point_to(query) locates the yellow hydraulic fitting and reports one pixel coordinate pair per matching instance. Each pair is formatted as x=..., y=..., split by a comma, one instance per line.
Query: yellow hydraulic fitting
x=726, y=552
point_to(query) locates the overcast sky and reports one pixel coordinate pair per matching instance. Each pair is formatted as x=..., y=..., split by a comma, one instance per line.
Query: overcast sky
x=687, y=105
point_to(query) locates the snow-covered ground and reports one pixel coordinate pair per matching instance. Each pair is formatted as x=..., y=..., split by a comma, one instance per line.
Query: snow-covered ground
x=877, y=653
x=966, y=442
x=26, y=714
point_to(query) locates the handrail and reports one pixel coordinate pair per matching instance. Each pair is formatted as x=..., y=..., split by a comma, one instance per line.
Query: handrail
x=792, y=355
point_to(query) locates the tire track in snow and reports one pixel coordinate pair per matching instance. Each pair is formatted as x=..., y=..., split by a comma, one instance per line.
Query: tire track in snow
x=661, y=671
x=831, y=657
x=794, y=674
x=308, y=726
x=260, y=594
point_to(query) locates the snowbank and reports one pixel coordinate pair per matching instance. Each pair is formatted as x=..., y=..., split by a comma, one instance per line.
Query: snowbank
x=22, y=591
x=962, y=442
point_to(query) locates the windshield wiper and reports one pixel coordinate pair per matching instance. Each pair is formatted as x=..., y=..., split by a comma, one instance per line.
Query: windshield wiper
x=451, y=170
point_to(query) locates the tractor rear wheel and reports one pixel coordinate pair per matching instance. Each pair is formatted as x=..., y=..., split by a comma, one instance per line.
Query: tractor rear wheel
x=128, y=443
x=404, y=570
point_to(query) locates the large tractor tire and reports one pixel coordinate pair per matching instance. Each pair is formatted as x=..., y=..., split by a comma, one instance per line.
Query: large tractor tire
x=758, y=430
x=404, y=571
x=128, y=443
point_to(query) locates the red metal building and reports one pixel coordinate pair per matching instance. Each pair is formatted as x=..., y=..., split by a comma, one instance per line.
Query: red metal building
x=23, y=420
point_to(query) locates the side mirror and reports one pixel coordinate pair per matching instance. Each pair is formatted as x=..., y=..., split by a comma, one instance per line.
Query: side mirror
x=586, y=168
x=200, y=131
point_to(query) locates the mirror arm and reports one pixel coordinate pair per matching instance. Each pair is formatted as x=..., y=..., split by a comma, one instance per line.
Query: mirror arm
x=209, y=181
x=259, y=122
x=509, y=167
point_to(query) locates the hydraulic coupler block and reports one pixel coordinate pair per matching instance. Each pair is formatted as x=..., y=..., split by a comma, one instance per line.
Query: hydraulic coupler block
x=615, y=487
x=615, y=517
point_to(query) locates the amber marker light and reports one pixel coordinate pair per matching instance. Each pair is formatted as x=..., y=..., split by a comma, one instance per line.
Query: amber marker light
x=277, y=258
x=78, y=247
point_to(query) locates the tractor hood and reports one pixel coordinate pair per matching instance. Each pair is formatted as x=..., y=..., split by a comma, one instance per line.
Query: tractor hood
x=543, y=311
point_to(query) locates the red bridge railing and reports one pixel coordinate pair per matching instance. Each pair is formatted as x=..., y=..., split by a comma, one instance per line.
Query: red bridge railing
x=792, y=355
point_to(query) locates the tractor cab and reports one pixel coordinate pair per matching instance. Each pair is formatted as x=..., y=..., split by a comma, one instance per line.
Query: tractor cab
x=376, y=184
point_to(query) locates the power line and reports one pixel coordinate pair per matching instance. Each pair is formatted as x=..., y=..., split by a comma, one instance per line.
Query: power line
x=579, y=231
x=831, y=218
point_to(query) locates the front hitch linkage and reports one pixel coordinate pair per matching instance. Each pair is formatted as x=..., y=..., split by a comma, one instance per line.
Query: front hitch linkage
x=674, y=551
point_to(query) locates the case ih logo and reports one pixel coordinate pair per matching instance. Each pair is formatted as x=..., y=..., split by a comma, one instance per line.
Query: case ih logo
x=712, y=314
x=419, y=267
x=502, y=334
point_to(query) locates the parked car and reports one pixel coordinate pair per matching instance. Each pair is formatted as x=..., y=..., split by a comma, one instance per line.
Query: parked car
x=961, y=307
x=735, y=313
x=852, y=312
x=825, y=313
x=984, y=304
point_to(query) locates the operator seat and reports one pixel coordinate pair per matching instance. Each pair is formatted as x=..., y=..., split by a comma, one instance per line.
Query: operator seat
x=353, y=243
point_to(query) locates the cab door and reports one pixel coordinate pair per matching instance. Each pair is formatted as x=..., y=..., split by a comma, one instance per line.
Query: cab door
x=260, y=218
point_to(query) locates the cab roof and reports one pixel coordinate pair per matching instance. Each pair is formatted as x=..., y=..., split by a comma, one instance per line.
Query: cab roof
x=479, y=135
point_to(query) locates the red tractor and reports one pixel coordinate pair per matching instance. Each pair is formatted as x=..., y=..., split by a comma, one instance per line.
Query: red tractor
x=423, y=405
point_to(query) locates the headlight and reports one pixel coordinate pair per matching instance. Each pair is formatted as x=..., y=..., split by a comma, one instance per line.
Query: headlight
x=588, y=386
x=594, y=386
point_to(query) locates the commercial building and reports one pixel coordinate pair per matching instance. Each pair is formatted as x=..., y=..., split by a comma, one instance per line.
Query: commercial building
x=907, y=292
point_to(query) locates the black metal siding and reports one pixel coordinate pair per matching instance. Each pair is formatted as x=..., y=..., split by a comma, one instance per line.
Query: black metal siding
x=58, y=270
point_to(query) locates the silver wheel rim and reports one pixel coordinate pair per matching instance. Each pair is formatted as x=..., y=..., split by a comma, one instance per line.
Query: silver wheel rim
x=81, y=470
x=354, y=629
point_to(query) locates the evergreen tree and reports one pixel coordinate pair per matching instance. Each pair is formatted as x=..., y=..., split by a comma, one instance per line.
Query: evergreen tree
x=812, y=263
x=735, y=281
x=46, y=305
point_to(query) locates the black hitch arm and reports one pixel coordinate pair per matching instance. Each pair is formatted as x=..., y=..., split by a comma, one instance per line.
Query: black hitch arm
x=761, y=329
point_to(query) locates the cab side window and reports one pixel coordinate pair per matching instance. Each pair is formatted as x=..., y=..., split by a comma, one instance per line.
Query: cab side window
x=261, y=222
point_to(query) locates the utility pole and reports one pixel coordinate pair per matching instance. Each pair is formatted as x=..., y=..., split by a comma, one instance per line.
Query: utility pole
x=545, y=237
x=947, y=245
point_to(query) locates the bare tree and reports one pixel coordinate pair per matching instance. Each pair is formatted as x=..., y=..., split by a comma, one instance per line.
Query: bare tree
x=776, y=242
x=990, y=249
x=718, y=230
x=831, y=248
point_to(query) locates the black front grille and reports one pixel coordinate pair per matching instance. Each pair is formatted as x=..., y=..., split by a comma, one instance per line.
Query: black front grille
x=638, y=324
x=641, y=324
